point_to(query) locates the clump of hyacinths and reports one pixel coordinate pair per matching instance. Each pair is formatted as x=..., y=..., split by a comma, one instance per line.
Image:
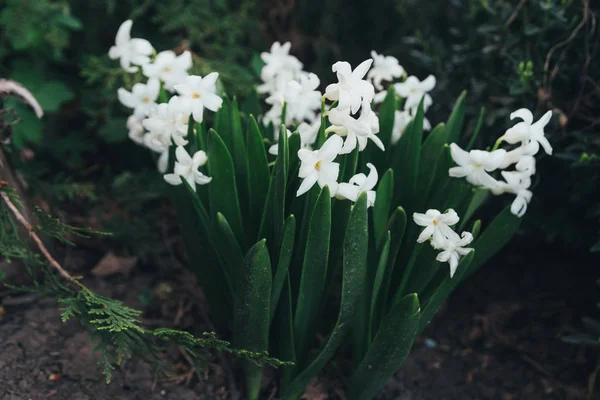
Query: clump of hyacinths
x=296, y=221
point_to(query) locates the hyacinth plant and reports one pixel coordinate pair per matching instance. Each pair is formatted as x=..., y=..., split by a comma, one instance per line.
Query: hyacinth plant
x=324, y=226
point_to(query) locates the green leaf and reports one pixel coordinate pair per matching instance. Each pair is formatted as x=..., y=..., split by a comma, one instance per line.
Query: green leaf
x=477, y=199
x=431, y=153
x=439, y=290
x=476, y=229
x=379, y=276
x=195, y=227
x=355, y=264
x=29, y=129
x=222, y=123
x=114, y=130
x=397, y=228
x=284, y=259
x=388, y=350
x=314, y=273
x=455, y=121
x=495, y=237
x=252, y=311
x=386, y=119
x=258, y=172
x=222, y=188
x=477, y=129
x=238, y=152
x=230, y=251
x=406, y=163
x=383, y=204
x=52, y=95
x=280, y=183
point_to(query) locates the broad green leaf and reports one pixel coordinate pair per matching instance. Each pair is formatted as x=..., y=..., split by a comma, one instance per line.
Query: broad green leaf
x=407, y=274
x=438, y=291
x=222, y=188
x=30, y=129
x=193, y=226
x=51, y=95
x=477, y=199
x=477, y=129
x=258, y=172
x=476, y=229
x=379, y=276
x=494, y=237
x=284, y=322
x=314, y=273
x=230, y=251
x=238, y=153
x=431, y=152
x=456, y=120
x=388, y=350
x=283, y=260
x=382, y=207
x=397, y=228
x=386, y=119
x=222, y=123
x=251, y=104
x=355, y=264
x=280, y=184
x=252, y=311
x=407, y=163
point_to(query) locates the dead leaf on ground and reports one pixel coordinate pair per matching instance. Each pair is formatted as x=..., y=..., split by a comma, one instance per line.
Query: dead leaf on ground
x=111, y=264
x=315, y=391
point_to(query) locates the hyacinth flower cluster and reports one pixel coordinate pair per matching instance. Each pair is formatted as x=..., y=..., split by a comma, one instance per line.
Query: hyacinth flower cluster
x=296, y=221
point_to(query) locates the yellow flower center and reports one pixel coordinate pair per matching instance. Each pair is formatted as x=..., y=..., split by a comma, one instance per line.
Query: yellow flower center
x=478, y=165
x=435, y=221
x=167, y=69
x=318, y=166
x=195, y=95
x=146, y=100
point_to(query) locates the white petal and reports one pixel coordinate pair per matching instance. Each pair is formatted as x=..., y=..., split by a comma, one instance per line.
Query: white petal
x=183, y=156
x=173, y=179
x=331, y=148
x=523, y=114
x=306, y=184
x=426, y=234
x=459, y=156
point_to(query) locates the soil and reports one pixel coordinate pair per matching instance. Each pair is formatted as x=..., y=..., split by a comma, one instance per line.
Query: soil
x=498, y=337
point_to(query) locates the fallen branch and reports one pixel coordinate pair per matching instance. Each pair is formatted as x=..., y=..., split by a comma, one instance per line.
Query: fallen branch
x=36, y=239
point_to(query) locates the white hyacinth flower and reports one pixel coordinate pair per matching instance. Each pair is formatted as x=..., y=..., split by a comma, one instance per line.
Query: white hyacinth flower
x=517, y=183
x=528, y=132
x=351, y=90
x=157, y=142
x=170, y=119
x=201, y=93
x=401, y=121
x=454, y=250
x=130, y=51
x=357, y=131
x=277, y=60
x=413, y=90
x=360, y=183
x=318, y=167
x=186, y=167
x=385, y=68
x=302, y=98
x=308, y=134
x=475, y=165
x=163, y=162
x=142, y=97
x=169, y=67
x=437, y=226
x=136, y=129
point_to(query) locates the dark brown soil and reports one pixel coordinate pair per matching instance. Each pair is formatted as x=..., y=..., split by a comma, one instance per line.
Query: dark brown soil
x=499, y=337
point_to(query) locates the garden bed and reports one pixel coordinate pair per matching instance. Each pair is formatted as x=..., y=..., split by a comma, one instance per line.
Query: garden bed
x=497, y=338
